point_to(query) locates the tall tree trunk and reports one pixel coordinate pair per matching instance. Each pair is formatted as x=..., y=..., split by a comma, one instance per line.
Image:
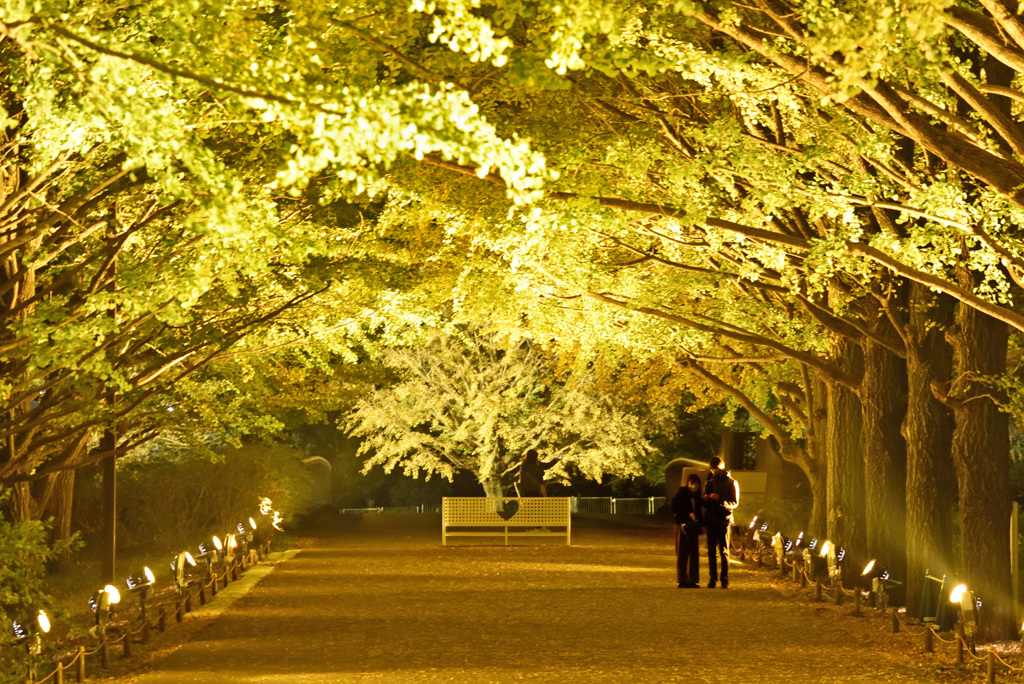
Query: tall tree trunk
x=818, y=477
x=981, y=456
x=845, y=478
x=21, y=505
x=59, y=507
x=928, y=429
x=883, y=398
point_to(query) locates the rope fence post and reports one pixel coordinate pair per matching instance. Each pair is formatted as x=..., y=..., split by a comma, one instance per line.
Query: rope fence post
x=817, y=591
x=80, y=671
x=990, y=668
x=127, y=645
x=104, y=653
x=145, y=632
x=929, y=641
x=895, y=622
x=161, y=620
x=58, y=674
x=959, y=650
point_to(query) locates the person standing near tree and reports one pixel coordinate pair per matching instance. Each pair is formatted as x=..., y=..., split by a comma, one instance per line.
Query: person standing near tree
x=721, y=494
x=531, y=476
x=686, y=505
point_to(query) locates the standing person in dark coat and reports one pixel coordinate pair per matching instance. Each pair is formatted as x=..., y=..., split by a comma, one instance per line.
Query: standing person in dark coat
x=531, y=475
x=721, y=494
x=686, y=505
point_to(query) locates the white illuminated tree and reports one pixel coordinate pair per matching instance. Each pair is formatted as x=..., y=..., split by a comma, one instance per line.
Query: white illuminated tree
x=467, y=402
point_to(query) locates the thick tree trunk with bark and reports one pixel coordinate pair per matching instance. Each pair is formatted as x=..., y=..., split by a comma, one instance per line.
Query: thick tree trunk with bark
x=928, y=429
x=845, y=478
x=981, y=455
x=492, y=487
x=21, y=505
x=59, y=508
x=818, y=477
x=883, y=397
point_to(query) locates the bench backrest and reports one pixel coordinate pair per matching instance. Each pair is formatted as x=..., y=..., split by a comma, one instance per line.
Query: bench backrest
x=478, y=510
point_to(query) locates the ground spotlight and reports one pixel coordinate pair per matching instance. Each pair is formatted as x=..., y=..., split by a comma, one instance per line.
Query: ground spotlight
x=969, y=609
x=140, y=584
x=30, y=633
x=102, y=604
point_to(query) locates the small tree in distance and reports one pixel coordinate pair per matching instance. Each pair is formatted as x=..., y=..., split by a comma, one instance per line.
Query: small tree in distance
x=467, y=402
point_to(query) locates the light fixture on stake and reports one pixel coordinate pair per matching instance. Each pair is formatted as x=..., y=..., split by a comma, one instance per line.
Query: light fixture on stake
x=208, y=556
x=779, y=545
x=970, y=607
x=810, y=553
x=230, y=544
x=178, y=567
x=833, y=557
x=30, y=633
x=140, y=584
x=102, y=604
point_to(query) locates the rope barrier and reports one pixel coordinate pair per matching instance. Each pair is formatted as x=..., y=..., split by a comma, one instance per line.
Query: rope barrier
x=837, y=591
x=182, y=604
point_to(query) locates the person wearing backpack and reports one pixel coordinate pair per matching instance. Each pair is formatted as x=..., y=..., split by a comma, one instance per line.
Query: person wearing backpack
x=721, y=495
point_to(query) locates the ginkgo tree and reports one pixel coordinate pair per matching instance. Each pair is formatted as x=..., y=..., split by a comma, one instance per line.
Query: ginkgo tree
x=466, y=401
x=828, y=155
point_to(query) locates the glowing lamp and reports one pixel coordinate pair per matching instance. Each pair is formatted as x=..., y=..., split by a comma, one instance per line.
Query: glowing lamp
x=868, y=568
x=252, y=523
x=43, y=620
x=112, y=593
x=957, y=594
x=825, y=548
x=217, y=543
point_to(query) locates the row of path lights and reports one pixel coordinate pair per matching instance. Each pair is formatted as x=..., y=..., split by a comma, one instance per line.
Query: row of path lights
x=232, y=552
x=813, y=562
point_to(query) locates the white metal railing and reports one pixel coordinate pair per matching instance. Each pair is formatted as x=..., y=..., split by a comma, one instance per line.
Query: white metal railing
x=617, y=506
x=606, y=505
x=422, y=508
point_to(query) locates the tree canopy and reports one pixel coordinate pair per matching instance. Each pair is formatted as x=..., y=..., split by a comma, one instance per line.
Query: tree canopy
x=466, y=401
x=807, y=207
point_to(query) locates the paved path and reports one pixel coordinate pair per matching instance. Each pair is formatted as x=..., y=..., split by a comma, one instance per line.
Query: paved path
x=381, y=603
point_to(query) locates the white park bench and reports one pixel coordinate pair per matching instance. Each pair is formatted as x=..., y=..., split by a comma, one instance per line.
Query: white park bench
x=525, y=516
